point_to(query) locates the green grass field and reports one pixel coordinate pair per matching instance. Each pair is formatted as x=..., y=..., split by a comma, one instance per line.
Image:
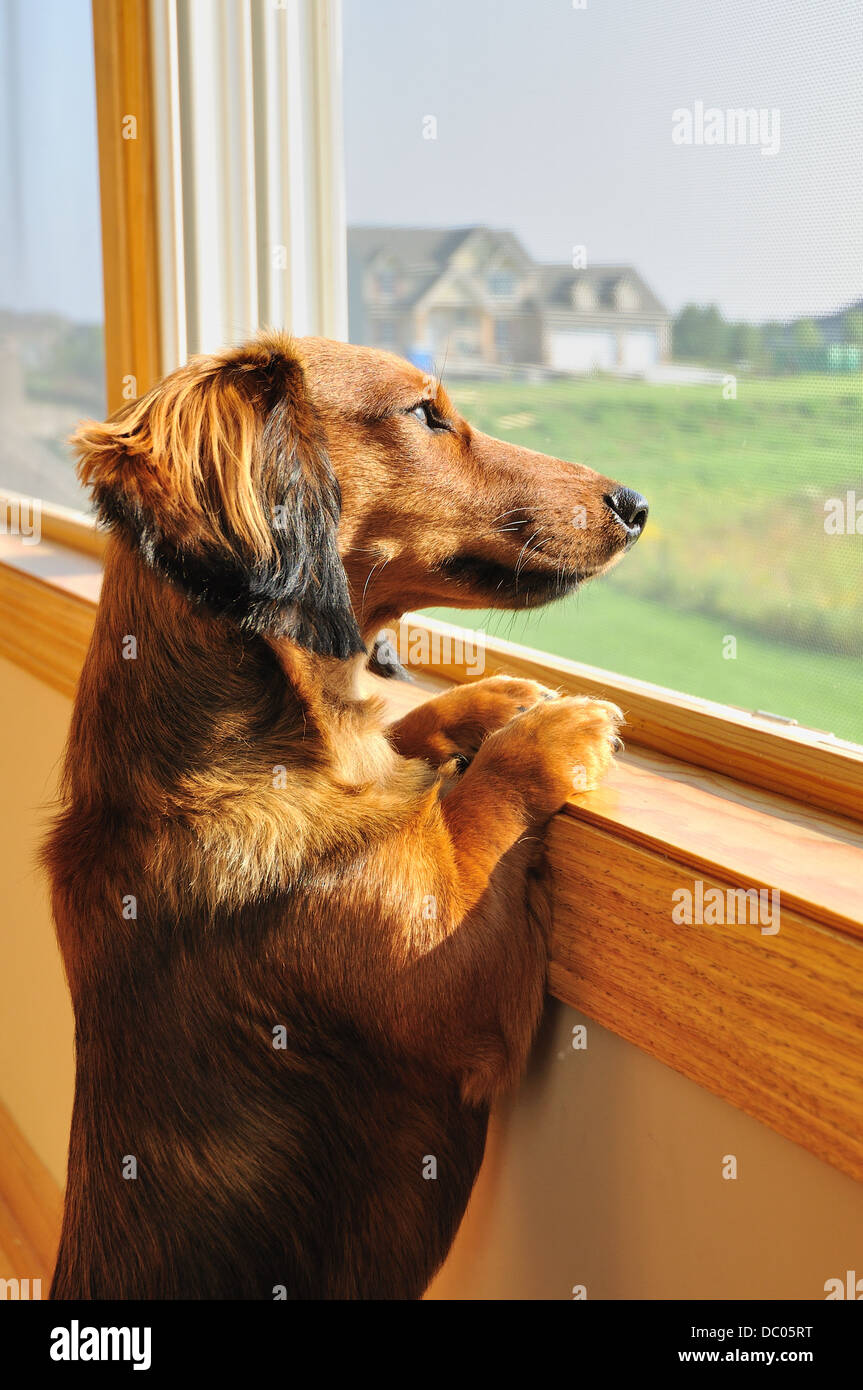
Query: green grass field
x=735, y=545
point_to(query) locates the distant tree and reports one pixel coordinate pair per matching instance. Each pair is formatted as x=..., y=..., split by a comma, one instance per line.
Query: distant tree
x=685, y=331
x=80, y=352
x=745, y=343
x=805, y=333
x=852, y=327
x=773, y=334
x=700, y=333
x=72, y=367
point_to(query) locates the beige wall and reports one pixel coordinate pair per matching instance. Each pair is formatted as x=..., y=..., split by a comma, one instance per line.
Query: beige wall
x=604, y=1171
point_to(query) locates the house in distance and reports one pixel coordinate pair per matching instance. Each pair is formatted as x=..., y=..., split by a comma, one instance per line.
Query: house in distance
x=474, y=297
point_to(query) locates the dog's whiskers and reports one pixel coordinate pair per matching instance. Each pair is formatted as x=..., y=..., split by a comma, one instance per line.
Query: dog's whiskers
x=381, y=564
x=523, y=557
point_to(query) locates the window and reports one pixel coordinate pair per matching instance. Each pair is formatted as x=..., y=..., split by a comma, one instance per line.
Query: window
x=712, y=360
x=52, y=365
x=583, y=295
x=251, y=231
x=626, y=297
x=501, y=284
x=503, y=339
x=386, y=284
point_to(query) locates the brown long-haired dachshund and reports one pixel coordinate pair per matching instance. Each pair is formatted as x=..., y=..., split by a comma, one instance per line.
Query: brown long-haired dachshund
x=304, y=949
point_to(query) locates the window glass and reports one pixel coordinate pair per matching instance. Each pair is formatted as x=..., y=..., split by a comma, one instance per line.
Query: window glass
x=661, y=206
x=52, y=369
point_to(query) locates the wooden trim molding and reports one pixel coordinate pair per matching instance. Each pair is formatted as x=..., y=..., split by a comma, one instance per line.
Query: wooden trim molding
x=121, y=37
x=46, y=629
x=770, y=1020
x=771, y=1023
x=74, y=530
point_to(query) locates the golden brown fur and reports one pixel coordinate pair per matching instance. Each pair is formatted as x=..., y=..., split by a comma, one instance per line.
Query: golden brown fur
x=246, y=848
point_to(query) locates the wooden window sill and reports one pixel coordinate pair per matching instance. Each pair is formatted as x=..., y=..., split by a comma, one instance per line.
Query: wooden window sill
x=770, y=1022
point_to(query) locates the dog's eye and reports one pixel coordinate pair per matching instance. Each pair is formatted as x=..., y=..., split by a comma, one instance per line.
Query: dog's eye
x=428, y=416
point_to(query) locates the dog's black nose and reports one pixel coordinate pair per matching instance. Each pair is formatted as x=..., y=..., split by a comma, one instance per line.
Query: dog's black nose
x=631, y=509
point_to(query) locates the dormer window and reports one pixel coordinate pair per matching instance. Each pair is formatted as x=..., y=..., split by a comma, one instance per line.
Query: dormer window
x=625, y=297
x=583, y=296
x=386, y=282
x=501, y=284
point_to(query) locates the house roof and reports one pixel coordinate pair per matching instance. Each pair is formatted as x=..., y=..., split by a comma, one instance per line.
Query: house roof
x=428, y=245
x=414, y=246
x=557, y=281
x=425, y=253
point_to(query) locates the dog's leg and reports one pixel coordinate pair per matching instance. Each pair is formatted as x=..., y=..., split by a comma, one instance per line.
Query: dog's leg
x=456, y=723
x=475, y=986
x=521, y=775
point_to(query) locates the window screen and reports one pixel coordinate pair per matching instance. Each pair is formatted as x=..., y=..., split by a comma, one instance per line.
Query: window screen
x=657, y=214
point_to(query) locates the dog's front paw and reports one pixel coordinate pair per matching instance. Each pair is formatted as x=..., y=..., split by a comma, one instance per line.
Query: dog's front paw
x=553, y=750
x=455, y=725
x=477, y=710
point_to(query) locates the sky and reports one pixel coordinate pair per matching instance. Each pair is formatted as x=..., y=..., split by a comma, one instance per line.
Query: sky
x=552, y=121
x=50, y=238
x=556, y=122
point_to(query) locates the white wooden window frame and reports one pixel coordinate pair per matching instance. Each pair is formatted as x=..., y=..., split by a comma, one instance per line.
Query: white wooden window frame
x=249, y=171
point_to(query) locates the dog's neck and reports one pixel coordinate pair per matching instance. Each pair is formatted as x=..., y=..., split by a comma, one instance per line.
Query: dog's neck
x=323, y=679
x=172, y=681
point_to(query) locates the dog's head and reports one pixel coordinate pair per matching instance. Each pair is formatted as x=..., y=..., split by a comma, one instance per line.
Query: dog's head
x=313, y=490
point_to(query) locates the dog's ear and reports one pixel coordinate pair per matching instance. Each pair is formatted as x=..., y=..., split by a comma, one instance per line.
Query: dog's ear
x=220, y=476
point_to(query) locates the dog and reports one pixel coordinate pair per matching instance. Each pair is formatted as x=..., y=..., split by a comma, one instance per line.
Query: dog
x=306, y=951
